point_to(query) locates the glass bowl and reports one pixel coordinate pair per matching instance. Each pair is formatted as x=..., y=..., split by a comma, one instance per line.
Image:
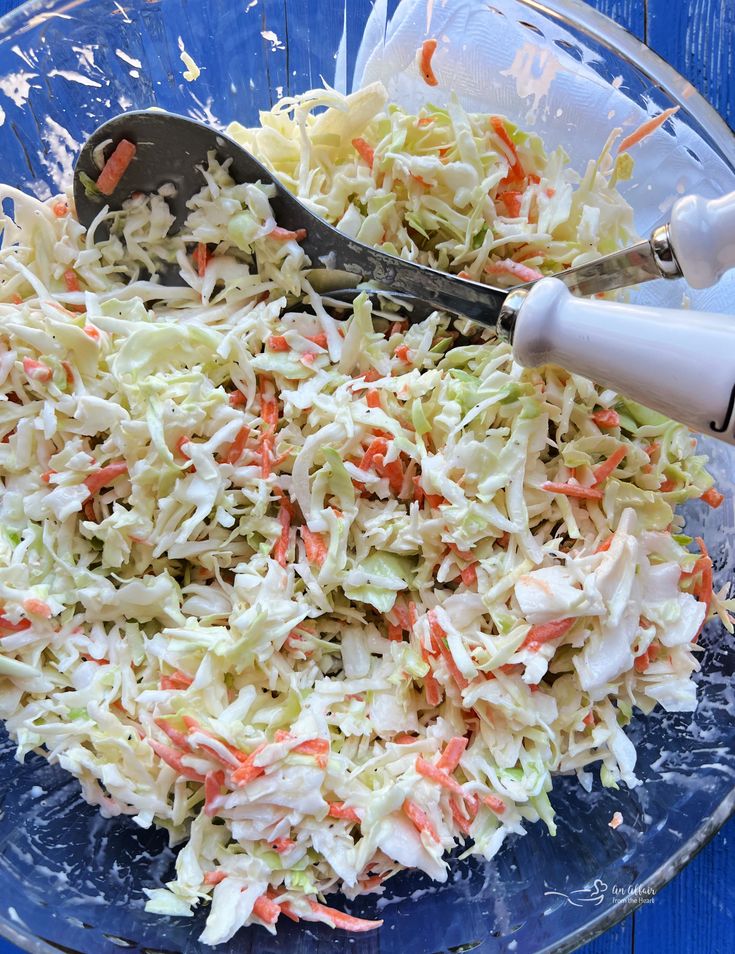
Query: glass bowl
x=73, y=881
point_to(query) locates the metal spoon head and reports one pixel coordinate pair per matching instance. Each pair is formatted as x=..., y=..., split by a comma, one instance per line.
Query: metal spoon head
x=175, y=149
x=170, y=149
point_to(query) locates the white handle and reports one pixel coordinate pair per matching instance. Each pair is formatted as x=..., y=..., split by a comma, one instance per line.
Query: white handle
x=681, y=363
x=702, y=234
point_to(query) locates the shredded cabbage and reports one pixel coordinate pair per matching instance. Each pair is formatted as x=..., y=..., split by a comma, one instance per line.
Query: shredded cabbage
x=324, y=596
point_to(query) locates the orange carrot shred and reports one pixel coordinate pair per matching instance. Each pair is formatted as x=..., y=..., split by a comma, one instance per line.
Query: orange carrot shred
x=316, y=548
x=572, y=490
x=278, y=343
x=365, y=151
x=712, y=497
x=515, y=169
x=71, y=280
x=646, y=128
x=426, y=53
x=286, y=235
x=105, y=476
x=606, y=418
x=237, y=447
x=116, y=167
x=419, y=819
x=603, y=471
x=449, y=759
x=340, y=810
x=544, y=632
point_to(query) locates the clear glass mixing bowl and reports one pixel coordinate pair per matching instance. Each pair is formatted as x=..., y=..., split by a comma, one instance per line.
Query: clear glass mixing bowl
x=70, y=880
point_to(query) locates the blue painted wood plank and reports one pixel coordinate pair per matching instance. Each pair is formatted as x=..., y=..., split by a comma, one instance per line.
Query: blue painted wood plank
x=698, y=38
x=630, y=14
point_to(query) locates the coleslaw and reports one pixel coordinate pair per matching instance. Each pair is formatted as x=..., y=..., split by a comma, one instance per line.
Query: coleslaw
x=327, y=591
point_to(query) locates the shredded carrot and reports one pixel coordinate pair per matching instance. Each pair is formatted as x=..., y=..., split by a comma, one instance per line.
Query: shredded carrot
x=214, y=877
x=283, y=844
x=179, y=738
x=316, y=548
x=280, y=550
x=449, y=759
x=435, y=774
x=712, y=497
x=340, y=810
x=237, y=447
x=666, y=486
x=172, y=757
x=91, y=332
x=378, y=447
x=419, y=819
x=37, y=607
x=10, y=628
x=180, y=445
x=177, y=680
x=512, y=201
x=426, y=53
x=237, y=755
x=373, y=398
x=404, y=738
x=267, y=910
x=603, y=471
x=286, y=235
x=201, y=258
x=116, y=167
x=425, y=121
x=213, y=782
x=60, y=208
x=642, y=662
x=237, y=399
x=544, y=632
x=248, y=771
x=469, y=575
x=278, y=343
x=465, y=276
x=432, y=690
x=605, y=545
x=320, y=340
x=646, y=128
x=341, y=920
x=71, y=280
x=364, y=150
x=460, y=819
x=589, y=719
x=704, y=590
x=316, y=747
x=494, y=803
x=395, y=633
x=47, y=475
x=606, y=418
x=506, y=266
x=37, y=370
x=572, y=490
x=105, y=476
x=435, y=500
x=402, y=352
x=438, y=639
x=515, y=169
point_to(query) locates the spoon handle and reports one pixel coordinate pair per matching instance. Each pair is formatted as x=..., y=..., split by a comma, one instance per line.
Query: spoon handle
x=702, y=233
x=681, y=363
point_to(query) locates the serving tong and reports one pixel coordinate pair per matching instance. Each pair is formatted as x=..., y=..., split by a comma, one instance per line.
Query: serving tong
x=676, y=361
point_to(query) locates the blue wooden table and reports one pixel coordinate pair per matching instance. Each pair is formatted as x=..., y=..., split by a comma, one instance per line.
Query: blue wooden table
x=696, y=912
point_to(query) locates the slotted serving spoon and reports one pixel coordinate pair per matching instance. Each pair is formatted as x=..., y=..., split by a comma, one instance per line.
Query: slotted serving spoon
x=679, y=362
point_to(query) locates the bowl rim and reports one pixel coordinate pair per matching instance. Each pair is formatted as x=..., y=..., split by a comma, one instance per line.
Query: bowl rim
x=578, y=15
